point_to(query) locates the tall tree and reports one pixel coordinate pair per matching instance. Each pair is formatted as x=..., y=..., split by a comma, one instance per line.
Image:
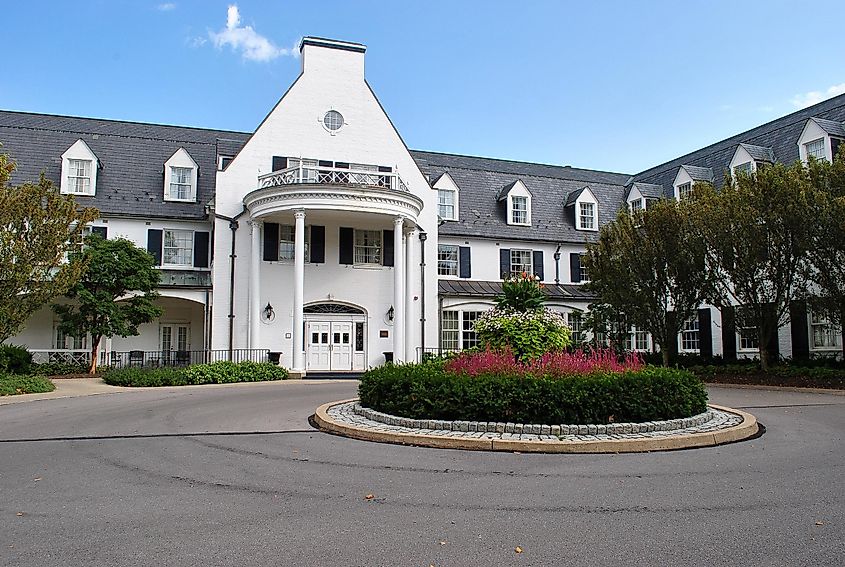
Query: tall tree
x=758, y=232
x=115, y=294
x=650, y=265
x=38, y=227
x=826, y=255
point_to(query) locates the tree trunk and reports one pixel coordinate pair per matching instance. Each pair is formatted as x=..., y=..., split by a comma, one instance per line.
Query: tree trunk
x=665, y=353
x=95, y=348
x=764, y=354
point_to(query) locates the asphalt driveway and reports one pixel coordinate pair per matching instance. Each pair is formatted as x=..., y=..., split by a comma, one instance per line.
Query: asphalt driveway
x=235, y=476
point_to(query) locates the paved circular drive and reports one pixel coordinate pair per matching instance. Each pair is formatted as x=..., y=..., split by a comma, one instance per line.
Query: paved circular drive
x=716, y=426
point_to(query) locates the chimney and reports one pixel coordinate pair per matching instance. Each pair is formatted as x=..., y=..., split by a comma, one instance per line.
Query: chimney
x=332, y=57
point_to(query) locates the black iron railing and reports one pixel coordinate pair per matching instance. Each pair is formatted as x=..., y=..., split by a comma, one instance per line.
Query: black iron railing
x=158, y=358
x=429, y=353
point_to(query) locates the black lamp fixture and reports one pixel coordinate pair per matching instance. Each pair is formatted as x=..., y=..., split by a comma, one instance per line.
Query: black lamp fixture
x=390, y=313
x=269, y=314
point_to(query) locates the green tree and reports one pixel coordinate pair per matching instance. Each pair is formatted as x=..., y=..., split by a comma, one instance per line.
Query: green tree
x=649, y=268
x=758, y=230
x=115, y=294
x=38, y=226
x=825, y=268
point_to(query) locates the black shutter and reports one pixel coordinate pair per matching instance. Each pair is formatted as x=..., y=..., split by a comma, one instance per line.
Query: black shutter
x=346, y=245
x=154, y=244
x=201, y=249
x=728, y=333
x=318, y=244
x=464, y=264
x=538, y=264
x=279, y=163
x=271, y=241
x=102, y=231
x=800, y=330
x=575, y=267
x=387, y=247
x=774, y=344
x=504, y=262
x=705, y=333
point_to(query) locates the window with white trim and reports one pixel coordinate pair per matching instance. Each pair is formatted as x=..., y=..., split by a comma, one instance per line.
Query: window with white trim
x=519, y=210
x=67, y=342
x=367, y=251
x=684, y=190
x=575, y=323
x=585, y=274
x=287, y=243
x=825, y=335
x=587, y=216
x=747, y=168
x=446, y=204
x=690, y=335
x=521, y=262
x=79, y=177
x=469, y=338
x=181, y=184
x=815, y=149
x=748, y=339
x=178, y=248
x=636, y=205
x=637, y=340
x=447, y=260
x=449, y=335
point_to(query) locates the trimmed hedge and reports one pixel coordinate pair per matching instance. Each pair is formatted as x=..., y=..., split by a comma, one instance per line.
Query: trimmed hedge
x=58, y=368
x=427, y=391
x=11, y=385
x=15, y=359
x=213, y=373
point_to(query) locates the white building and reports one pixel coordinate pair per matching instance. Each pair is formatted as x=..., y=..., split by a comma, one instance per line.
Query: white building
x=321, y=237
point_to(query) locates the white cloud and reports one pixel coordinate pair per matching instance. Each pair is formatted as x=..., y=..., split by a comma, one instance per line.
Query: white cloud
x=250, y=43
x=813, y=97
x=166, y=7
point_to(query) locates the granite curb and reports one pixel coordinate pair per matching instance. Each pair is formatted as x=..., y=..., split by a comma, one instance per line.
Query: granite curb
x=738, y=425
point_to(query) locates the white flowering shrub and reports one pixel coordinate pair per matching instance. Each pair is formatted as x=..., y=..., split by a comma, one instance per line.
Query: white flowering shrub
x=528, y=334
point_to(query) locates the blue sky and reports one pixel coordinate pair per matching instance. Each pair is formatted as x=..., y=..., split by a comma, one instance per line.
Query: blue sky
x=617, y=86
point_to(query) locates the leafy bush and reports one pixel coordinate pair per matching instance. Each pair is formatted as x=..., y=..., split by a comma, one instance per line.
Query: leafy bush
x=58, y=368
x=429, y=391
x=521, y=293
x=552, y=364
x=779, y=371
x=214, y=373
x=11, y=385
x=15, y=359
x=529, y=334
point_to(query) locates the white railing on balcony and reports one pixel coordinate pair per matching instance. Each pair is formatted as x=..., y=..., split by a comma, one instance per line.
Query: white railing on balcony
x=360, y=176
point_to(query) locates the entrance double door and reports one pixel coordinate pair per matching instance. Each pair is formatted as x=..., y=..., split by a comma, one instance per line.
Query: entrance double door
x=329, y=345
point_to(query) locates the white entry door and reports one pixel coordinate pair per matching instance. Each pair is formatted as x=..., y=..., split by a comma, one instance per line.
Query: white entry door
x=319, y=346
x=342, y=345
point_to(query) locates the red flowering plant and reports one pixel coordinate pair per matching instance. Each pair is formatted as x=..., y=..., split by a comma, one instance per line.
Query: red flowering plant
x=550, y=365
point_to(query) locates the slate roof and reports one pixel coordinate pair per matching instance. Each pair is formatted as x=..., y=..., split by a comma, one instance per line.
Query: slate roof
x=832, y=127
x=759, y=153
x=480, y=180
x=647, y=190
x=780, y=135
x=478, y=288
x=699, y=173
x=131, y=155
x=573, y=197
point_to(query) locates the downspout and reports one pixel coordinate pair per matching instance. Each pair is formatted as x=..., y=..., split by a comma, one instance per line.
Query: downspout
x=423, y=238
x=557, y=265
x=233, y=226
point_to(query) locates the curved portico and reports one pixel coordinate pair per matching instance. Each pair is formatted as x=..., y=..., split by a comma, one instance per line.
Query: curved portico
x=384, y=214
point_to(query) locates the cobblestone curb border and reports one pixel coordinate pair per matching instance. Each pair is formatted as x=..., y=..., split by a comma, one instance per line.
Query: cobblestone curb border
x=717, y=426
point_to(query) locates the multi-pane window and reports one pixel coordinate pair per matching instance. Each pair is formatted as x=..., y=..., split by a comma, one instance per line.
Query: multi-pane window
x=469, y=338
x=446, y=204
x=684, y=190
x=367, y=247
x=64, y=342
x=521, y=263
x=287, y=242
x=636, y=205
x=636, y=340
x=815, y=149
x=181, y=187
x=79, y=176
x=575, y=323
x=690, y=335
x=359, y=337
x=747, y=168
x=449, y=336
x=587, y=216
x=825, y=335
x=748, y=338
x=447, y=260
x=585, y=274
x=519, y=210
x=178, y=248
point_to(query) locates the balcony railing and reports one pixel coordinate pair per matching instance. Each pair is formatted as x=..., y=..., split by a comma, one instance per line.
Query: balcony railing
x=185, y=278
x=149, y=359
x=316, y=175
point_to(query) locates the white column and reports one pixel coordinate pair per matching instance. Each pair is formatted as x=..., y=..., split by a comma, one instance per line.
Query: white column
x=410, y=239
x=298, y=287
x=398, y=292
x=255, y=285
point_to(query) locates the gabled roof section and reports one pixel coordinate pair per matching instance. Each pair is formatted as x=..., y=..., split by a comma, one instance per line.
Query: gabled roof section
x=759, y=153
x=503, y=192
x=832, y=127
x=573, y=197
x=647, y=190
x=698, y=173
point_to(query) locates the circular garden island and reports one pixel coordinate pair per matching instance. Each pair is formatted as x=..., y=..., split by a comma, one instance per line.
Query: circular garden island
x=525, y=389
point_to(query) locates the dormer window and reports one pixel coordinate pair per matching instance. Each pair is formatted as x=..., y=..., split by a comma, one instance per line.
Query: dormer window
x=519, y=210
x=684, y=190
x=587, y=216
x=79, y=170
x=636, y=205
x=815, y=149
x=447, y=197
x=746, y=168
x=820, y=139
x=180, y=177
x=518, y=201
x=586, y=209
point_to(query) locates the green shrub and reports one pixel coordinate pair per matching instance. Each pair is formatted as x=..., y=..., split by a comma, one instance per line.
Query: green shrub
x=58, y=368
x=214, y=373
x=11, y=385
x=15, y=359
x=427, y=391
x=528, y=334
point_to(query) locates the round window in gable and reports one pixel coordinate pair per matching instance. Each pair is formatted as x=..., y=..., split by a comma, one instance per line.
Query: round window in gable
x=333, y=120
